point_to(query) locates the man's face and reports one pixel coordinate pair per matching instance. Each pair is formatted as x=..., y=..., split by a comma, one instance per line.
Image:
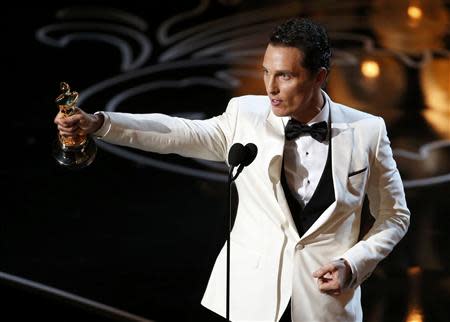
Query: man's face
x=292, y=88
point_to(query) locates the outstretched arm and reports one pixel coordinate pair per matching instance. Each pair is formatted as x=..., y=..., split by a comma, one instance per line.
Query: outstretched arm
x=207, y=139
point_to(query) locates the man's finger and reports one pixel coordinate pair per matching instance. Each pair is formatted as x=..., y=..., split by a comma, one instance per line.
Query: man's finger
x=328, y=268
x=73, y=119
x=329, y=285
x=328, y=275
x=333, y=293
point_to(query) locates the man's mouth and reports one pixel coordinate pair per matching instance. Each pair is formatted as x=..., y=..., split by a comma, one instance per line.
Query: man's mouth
x=275, y=102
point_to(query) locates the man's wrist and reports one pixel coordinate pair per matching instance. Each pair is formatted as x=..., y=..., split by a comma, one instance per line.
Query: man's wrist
x=104, y=124
x=98, y=122
x=348, y=273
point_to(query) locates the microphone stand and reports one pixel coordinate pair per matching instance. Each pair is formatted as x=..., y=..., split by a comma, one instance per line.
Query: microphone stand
x=241, y=156
x=230, y=182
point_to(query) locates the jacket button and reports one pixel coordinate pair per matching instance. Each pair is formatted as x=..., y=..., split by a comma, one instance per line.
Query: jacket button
x=299, y=247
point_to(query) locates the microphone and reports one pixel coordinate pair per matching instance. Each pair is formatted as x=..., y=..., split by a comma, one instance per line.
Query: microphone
x=236, y=155
x=245, y=155
x=251, y=150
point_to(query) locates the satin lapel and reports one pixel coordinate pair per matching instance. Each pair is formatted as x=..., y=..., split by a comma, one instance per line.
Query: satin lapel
x=341, y=152
x=273, y=159
x=342, y=149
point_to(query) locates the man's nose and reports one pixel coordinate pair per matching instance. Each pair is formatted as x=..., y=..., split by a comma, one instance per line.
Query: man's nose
x=272, y=87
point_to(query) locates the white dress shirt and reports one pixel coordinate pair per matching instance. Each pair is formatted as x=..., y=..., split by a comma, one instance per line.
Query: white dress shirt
x=304, y=160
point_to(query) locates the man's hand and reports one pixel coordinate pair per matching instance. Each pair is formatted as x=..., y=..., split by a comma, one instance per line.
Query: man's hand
x=81, y=123
x=333, y=278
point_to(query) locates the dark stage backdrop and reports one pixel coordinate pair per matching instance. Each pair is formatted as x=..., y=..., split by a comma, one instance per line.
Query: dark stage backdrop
x=139, y=231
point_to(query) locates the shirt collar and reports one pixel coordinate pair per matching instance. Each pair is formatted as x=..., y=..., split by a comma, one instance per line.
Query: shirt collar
x=323, y=114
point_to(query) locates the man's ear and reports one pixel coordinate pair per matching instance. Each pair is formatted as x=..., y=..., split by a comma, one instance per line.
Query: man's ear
x=321, y=76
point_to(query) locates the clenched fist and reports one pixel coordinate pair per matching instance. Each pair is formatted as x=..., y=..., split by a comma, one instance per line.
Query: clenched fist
x=80, y=123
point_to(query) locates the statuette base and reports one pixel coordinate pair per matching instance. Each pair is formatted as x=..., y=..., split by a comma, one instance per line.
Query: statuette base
x=75, y=157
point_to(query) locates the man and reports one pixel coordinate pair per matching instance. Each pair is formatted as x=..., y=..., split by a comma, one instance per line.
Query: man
x=295, y=237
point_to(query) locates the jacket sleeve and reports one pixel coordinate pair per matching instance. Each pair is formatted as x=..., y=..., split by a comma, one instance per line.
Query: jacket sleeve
x=205, y=139
x=388, y=207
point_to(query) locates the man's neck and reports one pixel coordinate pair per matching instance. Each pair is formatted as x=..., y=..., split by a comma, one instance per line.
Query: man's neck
x=315, y=106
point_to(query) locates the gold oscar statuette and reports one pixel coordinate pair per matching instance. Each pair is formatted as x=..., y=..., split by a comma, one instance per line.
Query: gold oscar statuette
x=77, y=151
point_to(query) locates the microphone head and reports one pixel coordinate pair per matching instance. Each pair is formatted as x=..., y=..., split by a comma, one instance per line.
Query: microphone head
x=237, y=154
x=251, y=151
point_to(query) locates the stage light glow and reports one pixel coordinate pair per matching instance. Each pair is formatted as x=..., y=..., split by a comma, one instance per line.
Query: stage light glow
x=414, y=271
x=415, y=12
x=415, y=312
x=435, y=84
x=370, y=68
x=415, y=315
x=412, y=27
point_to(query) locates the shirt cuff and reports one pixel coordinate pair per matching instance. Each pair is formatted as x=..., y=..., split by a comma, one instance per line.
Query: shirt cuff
x=106, y=126
x=351, y=283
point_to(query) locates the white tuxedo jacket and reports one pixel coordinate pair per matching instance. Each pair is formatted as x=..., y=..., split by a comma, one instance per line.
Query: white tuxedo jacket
x=269, y=261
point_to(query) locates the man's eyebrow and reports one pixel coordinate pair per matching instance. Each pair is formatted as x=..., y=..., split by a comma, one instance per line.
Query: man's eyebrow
x=280, y=71
x=285, y=72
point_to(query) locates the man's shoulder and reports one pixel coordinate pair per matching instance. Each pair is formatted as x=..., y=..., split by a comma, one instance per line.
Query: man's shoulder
x=256, y=105
x=353, y=115
x=252, y=99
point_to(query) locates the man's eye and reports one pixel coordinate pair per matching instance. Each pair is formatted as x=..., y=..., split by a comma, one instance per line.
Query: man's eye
x=285, y=76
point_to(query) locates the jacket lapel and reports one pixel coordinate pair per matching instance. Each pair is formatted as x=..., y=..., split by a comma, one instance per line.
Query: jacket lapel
x=274, y=158
x=341, y=151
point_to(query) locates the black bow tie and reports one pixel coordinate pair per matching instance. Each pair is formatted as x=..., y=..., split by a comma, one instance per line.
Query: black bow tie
x=294, y=129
